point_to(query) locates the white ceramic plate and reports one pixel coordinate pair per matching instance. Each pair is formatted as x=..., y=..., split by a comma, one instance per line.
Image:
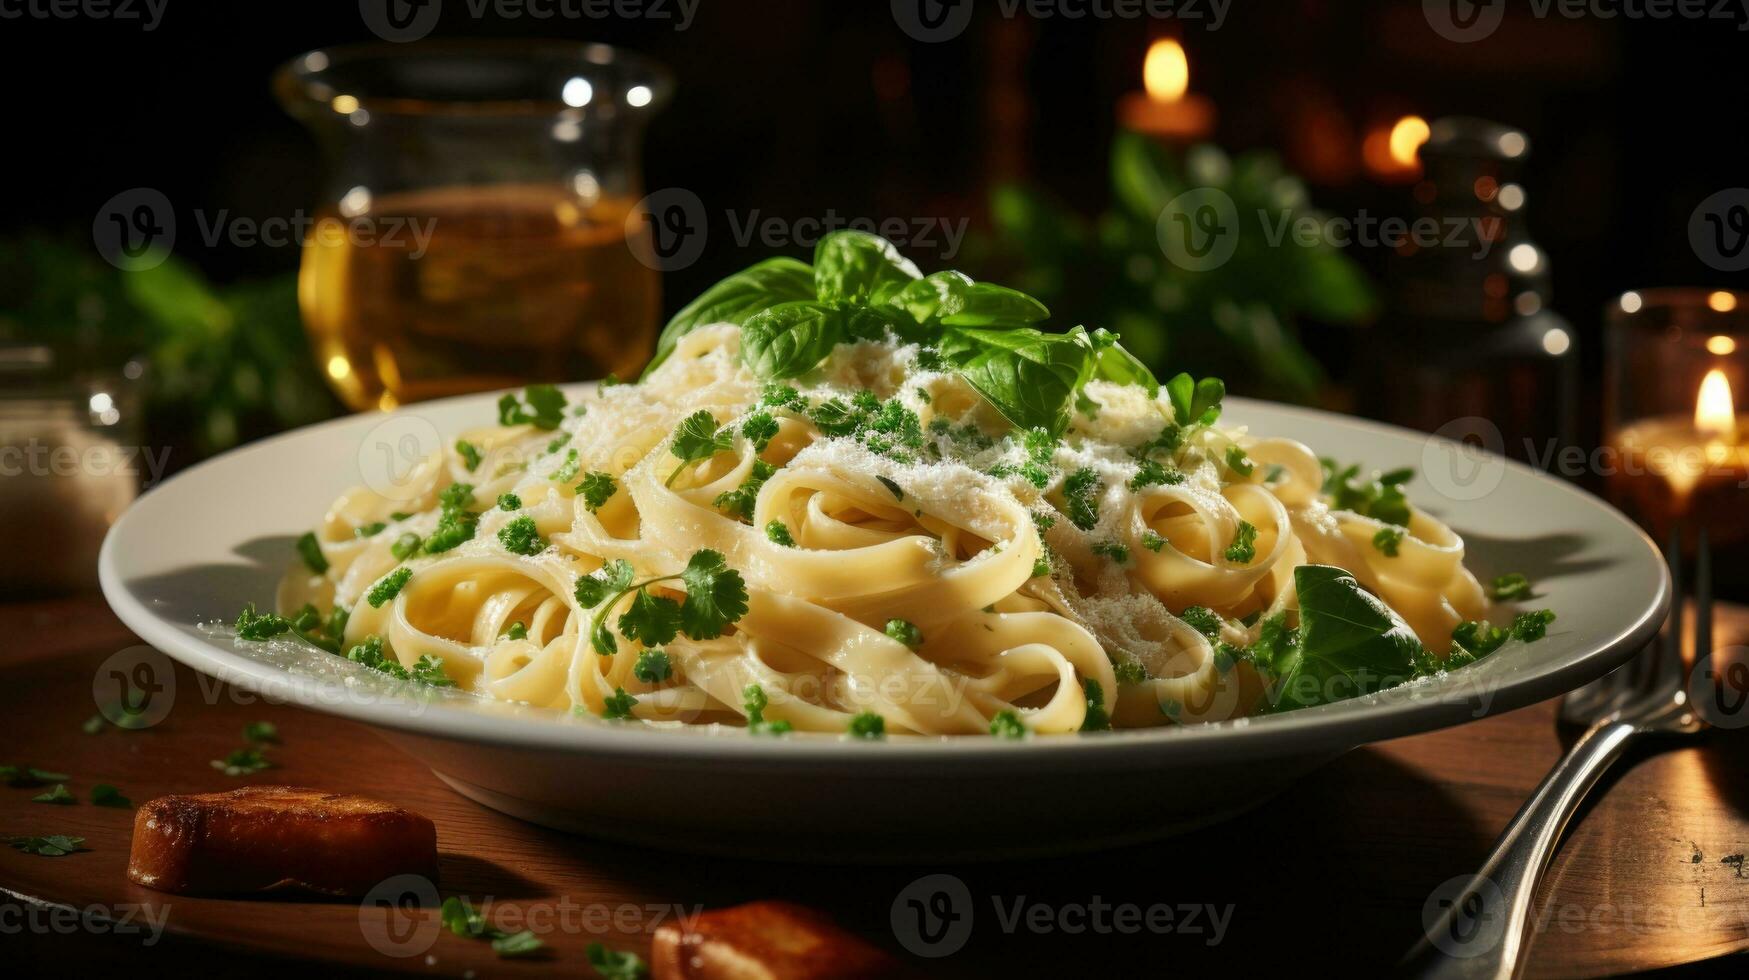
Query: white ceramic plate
x=197, y=548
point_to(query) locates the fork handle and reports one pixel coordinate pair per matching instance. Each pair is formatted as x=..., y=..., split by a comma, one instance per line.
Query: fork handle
x=1476, y=927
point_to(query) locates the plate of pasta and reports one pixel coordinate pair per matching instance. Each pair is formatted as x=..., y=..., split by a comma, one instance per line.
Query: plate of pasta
x=865, y=550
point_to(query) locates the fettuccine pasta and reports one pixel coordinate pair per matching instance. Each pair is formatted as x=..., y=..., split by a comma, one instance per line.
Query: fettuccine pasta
x=870, y=541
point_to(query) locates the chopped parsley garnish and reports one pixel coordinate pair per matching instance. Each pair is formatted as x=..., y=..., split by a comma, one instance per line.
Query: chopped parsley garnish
x=104, y=794
x=1130, y=672
x=1387, y=540
x=715, y=597
x=54, y=845
x=1152, y=541
x=1529, y=627
x=892, y=488
x=652, y=667
x=1081, y=493
x=370, y=530
x=1007, y=724
x=310, y=550
x=1244, y=546
x=697, y=439
x=1111, y=549
x=516, y=944
x=519, y=537
x=618, y=705
x=567, y=470
x=905, y=632
x=261, y=731
x=1238, y=462
x=388, y=587
x=597, y=489
x=740, y=501
x=614, y=965
x=57, y=796
x=428, y=670
x=754, y=702
x=868, y=725
x=509, y=502
x=405, y=546
x=243, y=762
x=557, y=443
x=265, y=626
x=778, y=533
x=516, y=631
x=1479, y=638
x=1202, y=619
x=760, y=428
x=459, y=917
x=1041, y=566
x=782, y=396
x=456, y=524
x=1509, y=587
x=370, y=654
x=545, y=408
x=469, y=453
x=1150, y=473
x=613, y=577
x=21, y=776
x=1097, y=719
x=834, y=418
x=1379, y=497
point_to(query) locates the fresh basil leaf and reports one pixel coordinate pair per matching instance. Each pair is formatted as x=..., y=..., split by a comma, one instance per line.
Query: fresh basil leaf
x=1030, y=377
x=851, y=266
x=988, y=305
x=1113, y=363
x=1350, y=643
x=926, y=300
x=1195, y=402
x=737, y=298
x=791, y=339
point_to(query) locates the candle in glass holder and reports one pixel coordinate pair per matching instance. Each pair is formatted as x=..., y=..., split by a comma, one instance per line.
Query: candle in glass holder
x=1690, y=469
x=1167, y=110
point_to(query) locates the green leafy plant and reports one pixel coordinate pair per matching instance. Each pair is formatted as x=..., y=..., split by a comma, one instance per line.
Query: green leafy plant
x=860, y=288
x=1237, y=320
x=224, y=363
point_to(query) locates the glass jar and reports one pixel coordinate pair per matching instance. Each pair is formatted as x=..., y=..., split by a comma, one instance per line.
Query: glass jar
x=70, y=463
x=1676, y=367
x=480, y=225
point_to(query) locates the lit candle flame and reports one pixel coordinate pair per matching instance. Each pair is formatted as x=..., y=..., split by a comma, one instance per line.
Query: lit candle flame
x=1406, y=139
x=1166, y=72
x=1715, y=414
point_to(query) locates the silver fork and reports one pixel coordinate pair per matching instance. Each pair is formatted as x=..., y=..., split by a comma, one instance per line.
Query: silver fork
x=1479, y=922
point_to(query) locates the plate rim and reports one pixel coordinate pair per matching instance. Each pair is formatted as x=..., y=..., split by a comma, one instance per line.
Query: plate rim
x=1340, y=725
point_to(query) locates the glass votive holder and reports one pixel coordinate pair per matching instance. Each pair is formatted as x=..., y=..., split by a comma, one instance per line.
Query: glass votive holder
x=70, y=463
x=1677, y=364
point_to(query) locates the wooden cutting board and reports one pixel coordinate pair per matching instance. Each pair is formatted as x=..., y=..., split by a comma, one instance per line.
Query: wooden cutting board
x=1332, y=876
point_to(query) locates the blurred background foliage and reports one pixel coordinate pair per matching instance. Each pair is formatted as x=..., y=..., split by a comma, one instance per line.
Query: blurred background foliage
x=1240, y=321
x=224, y=364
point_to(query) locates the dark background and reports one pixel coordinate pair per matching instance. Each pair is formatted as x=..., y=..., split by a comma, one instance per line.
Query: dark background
x=790, y=107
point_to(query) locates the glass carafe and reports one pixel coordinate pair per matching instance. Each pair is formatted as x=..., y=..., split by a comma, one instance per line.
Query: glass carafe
x=480, y=224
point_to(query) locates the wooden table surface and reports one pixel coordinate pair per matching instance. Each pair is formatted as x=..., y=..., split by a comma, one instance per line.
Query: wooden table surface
x=1333, y=875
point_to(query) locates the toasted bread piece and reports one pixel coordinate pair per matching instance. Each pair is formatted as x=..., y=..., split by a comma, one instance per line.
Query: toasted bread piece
x=262, y=837
x=765, y=941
